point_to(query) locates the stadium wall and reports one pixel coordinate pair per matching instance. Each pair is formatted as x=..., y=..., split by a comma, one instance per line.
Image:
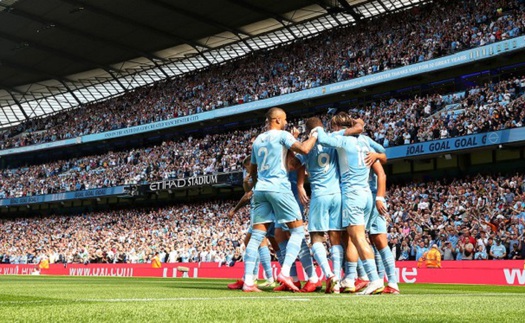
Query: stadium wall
x=479, y=272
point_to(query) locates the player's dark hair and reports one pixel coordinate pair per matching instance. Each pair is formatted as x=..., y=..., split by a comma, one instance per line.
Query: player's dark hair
x=312, y=123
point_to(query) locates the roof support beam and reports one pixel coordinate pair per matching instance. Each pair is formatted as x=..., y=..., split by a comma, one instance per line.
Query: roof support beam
x=350, y=10
x=134, y=23
x=55, y=51
x=383, y=5
x=330, y=10
x=205, y=20
x=9, y=90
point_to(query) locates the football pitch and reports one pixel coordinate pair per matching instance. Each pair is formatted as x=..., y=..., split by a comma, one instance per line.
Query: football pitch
x=103, y=299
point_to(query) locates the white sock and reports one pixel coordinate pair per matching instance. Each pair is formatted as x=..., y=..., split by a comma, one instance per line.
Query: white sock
x=248, y=280
x=285, y=270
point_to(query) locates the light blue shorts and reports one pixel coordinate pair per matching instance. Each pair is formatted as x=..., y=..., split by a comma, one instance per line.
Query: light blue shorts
x=375, y=224
x=281, y=204
x=325, y=213
x=283, y=226
x=270, y=231
x=356, y=205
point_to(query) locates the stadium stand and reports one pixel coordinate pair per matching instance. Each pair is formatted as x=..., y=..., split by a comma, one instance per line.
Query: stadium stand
x=468, y=213
x=483, y=108
x=435, y=30
x=475, y=211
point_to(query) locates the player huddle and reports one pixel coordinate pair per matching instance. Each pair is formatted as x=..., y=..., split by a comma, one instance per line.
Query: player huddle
x=348, y=186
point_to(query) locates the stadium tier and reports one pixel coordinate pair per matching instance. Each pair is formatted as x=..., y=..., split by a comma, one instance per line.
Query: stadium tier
x=438, y=29
x=464, y=217
x=484, y=108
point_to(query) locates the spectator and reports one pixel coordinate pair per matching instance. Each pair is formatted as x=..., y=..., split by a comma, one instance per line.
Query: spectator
x=497, y=250
x=431, y=258
x=481, y=254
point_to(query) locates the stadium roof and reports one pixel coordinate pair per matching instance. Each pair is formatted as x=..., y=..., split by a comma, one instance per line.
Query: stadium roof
x=58, y=54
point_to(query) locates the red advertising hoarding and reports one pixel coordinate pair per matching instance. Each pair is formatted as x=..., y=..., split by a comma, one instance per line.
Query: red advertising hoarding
x=452, y=272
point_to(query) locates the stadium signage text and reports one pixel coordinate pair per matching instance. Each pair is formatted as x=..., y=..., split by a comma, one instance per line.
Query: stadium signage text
x=184, y=183
x=144, y=128
x=233, y=178
x=91, y=193
x=460, y=143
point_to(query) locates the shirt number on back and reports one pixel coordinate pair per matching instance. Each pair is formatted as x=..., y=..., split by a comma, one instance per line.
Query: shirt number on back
x=323, y=160
x=263, y=151
x=361, y=155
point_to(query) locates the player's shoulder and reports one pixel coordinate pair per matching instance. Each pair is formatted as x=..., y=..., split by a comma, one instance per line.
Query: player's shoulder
x=364, y=138
x=337, y=133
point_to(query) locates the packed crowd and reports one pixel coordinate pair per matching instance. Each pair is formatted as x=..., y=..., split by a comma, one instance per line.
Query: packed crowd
x=482, y=108
x=441, y=28
x=211, y=154
x=183, y=233
x=464, y=217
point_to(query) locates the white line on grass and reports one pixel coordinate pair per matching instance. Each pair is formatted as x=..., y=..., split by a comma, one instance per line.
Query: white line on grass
x=304, y=298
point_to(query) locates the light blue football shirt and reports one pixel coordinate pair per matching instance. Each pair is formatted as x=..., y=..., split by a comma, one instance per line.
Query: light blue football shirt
x=321, y=164
x=269, y=154
x=351, y=153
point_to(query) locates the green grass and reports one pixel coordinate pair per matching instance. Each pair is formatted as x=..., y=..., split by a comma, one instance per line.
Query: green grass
x=97, y=299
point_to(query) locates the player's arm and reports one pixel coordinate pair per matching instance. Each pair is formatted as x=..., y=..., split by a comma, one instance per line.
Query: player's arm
x=245, y=200
x=303, y=147
x=253, y=169
x=292, y=162
x=301, y=175
x=356, y=129
x=327, y=140
x=289, y=141
x=381, y=188
x=379, y=153
x=247, y=183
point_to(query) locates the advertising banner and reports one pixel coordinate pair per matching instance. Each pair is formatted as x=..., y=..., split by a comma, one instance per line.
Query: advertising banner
x=480, y=272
